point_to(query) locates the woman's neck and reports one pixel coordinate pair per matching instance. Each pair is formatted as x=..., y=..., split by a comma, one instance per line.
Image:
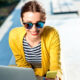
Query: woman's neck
x=32, y=42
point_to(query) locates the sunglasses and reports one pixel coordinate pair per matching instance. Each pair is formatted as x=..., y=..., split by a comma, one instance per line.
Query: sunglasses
x=29, y=25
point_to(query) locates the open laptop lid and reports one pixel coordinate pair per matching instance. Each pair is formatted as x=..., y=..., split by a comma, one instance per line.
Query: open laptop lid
x=16, y=73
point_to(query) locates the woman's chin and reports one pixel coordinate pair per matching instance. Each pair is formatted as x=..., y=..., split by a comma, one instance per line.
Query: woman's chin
x=35, y=36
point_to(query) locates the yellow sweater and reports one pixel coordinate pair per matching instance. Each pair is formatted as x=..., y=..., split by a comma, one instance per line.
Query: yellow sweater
x=50, y=49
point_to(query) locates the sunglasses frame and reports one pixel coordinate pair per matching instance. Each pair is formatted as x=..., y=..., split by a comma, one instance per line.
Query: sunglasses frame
x=33, y=23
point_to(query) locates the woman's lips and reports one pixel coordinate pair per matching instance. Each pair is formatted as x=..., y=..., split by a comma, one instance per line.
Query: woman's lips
x=35, y=33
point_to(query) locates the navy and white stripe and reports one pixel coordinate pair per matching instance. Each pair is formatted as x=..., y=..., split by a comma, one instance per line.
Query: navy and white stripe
x=32, y=55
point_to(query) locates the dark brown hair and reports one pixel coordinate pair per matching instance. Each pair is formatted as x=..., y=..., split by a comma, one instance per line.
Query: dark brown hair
x=33, y=6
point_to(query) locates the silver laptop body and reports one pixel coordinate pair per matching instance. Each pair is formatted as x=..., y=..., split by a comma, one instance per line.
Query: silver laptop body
x=16, y=73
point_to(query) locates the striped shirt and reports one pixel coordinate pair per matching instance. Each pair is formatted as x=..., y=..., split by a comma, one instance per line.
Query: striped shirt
x=32, y=55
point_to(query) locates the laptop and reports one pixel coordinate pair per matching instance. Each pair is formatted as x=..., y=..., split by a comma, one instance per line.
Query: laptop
x=16, y=73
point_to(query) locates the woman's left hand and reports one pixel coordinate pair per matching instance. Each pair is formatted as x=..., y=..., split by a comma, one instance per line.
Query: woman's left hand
x=49, y=79
x=52, y=78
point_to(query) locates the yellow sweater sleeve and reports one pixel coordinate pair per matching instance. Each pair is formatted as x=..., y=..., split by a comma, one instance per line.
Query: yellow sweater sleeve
x=13, y=42
x=55, y=54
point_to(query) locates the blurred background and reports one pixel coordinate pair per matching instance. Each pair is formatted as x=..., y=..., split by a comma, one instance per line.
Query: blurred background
x=64, y=15
x=6, y=7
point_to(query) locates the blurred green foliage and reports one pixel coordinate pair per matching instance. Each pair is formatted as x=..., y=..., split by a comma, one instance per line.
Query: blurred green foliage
x=7, y=2
x=6, y=6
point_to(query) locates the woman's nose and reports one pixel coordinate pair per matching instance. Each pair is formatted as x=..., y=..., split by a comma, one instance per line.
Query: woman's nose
x=34, y=28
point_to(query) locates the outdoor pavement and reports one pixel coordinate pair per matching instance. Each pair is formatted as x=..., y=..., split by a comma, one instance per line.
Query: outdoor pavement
x=68, y=26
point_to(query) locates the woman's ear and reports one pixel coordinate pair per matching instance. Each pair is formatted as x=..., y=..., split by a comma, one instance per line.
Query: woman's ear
x=21, y=21
x=45, y=18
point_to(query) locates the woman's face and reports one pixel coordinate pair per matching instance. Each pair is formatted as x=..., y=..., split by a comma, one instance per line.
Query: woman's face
x=33, y=17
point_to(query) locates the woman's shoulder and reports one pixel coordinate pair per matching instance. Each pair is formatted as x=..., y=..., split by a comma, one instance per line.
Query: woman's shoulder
x=17, y=29
x=49, y=30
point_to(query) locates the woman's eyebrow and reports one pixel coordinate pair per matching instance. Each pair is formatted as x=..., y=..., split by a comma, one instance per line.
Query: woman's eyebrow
x=31, y=21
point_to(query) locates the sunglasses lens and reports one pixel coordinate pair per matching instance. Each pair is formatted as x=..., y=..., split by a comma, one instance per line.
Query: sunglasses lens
x=40, y=24
x=28, y=25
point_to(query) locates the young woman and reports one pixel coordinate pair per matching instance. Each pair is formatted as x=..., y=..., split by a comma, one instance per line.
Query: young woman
x=35, y=45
